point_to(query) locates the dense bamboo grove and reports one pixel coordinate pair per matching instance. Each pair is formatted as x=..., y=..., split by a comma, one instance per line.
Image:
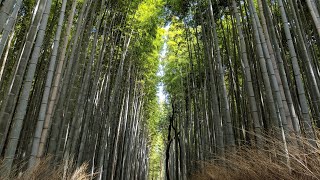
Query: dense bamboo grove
x=241, y=74
x=78, y=82
x=78, y=79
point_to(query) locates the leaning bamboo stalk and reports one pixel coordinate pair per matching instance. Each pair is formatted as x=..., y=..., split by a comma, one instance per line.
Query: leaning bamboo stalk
x=6, y=10
x=10, y=100
x=21, y=109
x=8, y=27
x=306, y=120
x=40, y=135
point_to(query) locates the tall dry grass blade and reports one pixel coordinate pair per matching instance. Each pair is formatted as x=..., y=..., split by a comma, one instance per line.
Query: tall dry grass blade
x=44, y=170
x=249, y=163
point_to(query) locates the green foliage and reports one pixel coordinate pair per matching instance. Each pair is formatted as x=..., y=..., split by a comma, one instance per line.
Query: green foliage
x=147, y=41
x=157, y=132
x=178, y=7
x=176, y=63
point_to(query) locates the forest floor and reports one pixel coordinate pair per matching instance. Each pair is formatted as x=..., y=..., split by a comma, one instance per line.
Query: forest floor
x=245, y=163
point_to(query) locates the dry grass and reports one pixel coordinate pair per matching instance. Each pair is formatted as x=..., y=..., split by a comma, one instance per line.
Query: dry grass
x=45, y=171
x=300, y=162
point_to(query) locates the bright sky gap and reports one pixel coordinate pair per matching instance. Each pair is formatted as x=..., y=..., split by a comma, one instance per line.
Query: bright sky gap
x=161, y=94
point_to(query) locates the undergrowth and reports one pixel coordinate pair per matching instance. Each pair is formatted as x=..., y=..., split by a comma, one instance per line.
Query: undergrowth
x=44, y=170
x=299, y=161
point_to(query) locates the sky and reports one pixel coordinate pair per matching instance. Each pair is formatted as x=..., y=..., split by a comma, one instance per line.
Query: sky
x=161, y=94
